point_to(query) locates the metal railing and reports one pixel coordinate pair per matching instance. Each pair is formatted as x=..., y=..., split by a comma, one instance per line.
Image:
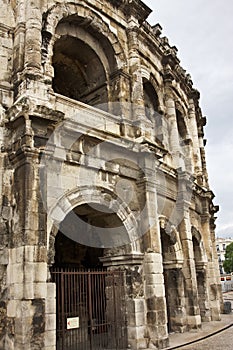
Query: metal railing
x=90, y=309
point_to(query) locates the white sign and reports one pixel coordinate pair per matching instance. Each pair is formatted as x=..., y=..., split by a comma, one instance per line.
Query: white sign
x=73, y=323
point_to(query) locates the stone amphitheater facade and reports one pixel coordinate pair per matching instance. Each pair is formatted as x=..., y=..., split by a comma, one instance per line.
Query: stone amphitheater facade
x=102, y=166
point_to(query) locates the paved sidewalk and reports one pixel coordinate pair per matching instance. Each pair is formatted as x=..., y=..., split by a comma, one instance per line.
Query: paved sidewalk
x=178, y=340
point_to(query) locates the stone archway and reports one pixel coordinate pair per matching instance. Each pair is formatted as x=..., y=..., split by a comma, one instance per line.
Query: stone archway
x=123, y=230
x=78, y=71
x=200, y=259
x=85, y=18
x=96, y=223
x=97, y=210
x=173, y=277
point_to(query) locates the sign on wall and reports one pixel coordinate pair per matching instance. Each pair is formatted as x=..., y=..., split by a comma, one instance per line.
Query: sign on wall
x=72, y=322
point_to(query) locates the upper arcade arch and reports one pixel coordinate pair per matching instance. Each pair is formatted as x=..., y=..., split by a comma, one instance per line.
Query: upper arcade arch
x=198, y=248
x=82, y=16
x=78, y=71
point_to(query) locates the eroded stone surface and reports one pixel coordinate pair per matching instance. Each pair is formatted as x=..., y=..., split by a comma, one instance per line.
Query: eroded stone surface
x=96, y=109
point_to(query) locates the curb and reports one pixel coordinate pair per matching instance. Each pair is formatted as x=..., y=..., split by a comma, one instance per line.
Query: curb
x=201, y=338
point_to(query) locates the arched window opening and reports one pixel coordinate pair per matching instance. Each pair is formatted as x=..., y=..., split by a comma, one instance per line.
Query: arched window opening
x=196, y=250
x=151, y=102
x=78, y=72
x=182, y=129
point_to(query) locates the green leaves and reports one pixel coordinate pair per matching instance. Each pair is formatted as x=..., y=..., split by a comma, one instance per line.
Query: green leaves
x=228, y=263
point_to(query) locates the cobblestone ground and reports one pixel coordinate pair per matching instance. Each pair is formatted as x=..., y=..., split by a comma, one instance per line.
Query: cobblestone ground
x=221, y=341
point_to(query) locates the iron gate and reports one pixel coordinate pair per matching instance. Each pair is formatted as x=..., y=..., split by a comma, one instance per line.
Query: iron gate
x=90, y=309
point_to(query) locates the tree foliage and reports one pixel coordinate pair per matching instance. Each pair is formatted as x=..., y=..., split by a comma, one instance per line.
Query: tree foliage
x=228, y=263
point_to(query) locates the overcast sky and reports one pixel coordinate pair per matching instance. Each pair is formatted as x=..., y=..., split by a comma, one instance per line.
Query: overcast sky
x=202, y=30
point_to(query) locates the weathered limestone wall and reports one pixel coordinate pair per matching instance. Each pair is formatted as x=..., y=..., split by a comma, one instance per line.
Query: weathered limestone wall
x=57, y=153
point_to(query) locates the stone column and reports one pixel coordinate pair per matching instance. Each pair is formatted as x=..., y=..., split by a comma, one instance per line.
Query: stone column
x=135, y=302
x=175, y=298
x=137, y=96
x=156, y=310
x=172, y=125
x=213, y=276
x=31, y=300
x=196, y=156
x=189, y=270
x=156, y=317
x=141, y=123
x=120, y=94
x=120, y=101
x=203, y=292
x=33, y=27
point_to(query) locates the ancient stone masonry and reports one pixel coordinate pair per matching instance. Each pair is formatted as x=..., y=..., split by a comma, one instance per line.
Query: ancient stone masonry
x=102, y=165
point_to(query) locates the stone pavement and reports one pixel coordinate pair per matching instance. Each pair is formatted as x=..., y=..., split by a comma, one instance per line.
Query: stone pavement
x=178, y=340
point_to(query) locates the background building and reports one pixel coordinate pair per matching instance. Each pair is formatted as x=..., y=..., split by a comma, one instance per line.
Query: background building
x=107, y=218
x=221, y=244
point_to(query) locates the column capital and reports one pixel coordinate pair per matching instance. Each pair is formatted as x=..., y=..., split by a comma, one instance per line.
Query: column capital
x=122, y=260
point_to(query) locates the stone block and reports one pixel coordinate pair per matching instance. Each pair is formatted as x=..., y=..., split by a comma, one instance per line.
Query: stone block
x=50, y=306
x=50, y=338
x=29, y=253
x=154, y=279
x=151, y=317
x=215, y=316
x=28, y=290
x=153, y=267
x=194, y=322
x=12, y=256
x=138, y=344
x=11, y=308
x=135, y=305
x=50, y=322
x=19, y=255
x=40, y=290
x=136, y=332
x=22, y=327
x=154, y=290
x=29, y=272
x=51, y=290
x=40, y=272
x=4, y=257
x=136, y=319
x=41, y=254
x=16, y=273
x=8, y=343
x=16, y=291
x=162, y=317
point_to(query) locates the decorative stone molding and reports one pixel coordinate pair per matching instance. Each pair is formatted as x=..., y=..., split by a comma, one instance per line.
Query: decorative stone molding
x=123, y=260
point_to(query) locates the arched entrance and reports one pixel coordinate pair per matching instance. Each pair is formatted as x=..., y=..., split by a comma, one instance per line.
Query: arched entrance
x=200, y=266
x=90, y=299
x=173, y=276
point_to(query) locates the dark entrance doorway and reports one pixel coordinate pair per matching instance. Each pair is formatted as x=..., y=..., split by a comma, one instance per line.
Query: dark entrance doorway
x=90, y=309
x=90, y=301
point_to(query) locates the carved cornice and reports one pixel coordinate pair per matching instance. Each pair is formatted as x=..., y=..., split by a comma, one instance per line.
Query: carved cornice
x=134, y=8
x=194, y=94
x=25, y=106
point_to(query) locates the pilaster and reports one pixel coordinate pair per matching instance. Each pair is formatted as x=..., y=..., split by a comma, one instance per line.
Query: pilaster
x=137, y=98
x=194, y=132
x=135, y=302
x=189, y=270
x=174, y=134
